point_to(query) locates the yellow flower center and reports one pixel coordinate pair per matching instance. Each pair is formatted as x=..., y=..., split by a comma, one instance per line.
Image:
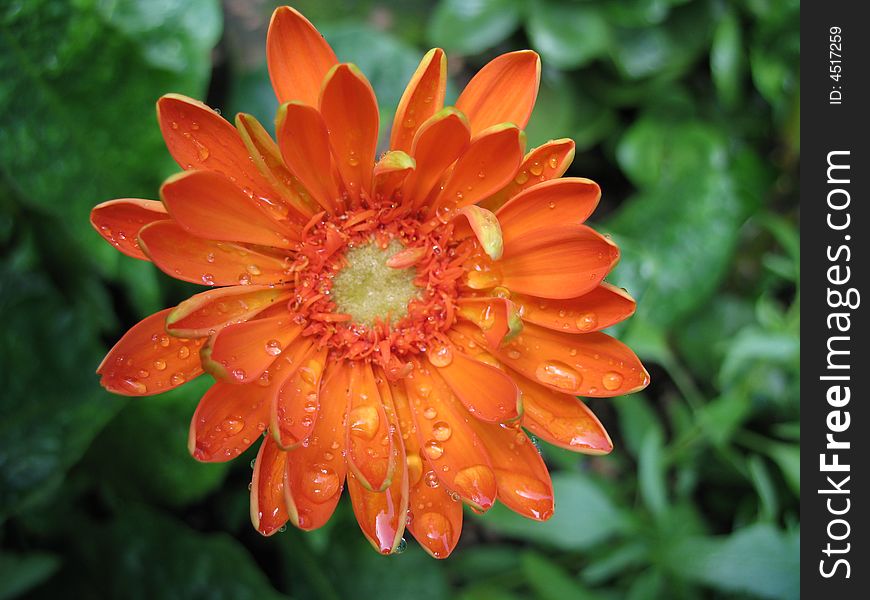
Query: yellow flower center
x=367, y=289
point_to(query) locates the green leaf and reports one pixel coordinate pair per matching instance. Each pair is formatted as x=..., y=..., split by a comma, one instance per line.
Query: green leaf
x=80, y=81
x=760, y=560
x=471, y=26
x=636, y=419
x=549, y=581
x=22, y=572
x=51, y=406
x=651, y=473
x=728, y=59
x=567, y=34
x=143, y=554
x=585, y=515
x=153, y=431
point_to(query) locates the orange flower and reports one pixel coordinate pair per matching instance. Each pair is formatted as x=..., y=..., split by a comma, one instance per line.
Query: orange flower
x=390, y=323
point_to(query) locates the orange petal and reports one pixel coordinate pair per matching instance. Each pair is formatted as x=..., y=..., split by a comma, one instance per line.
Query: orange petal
x=382, y=515
x=207, y=313
x=604, y=306
x=209, y=206
x=227, y=420
x=450, y=447
x=147, y=361
x=199, y=138
x=298, y=57
x=562, y=420
x=498, y=318
x=592, y=364
x=119, y=222
x=434, y=519
x=547, y=161
x=484, y=226
x=437, y=144
x=207, y=262
x=524, y=484
x=423, y=97
x=294, y=406
x=316, y=471
x=268, y=507
x=370, y=456
x=304, y=143
x=503, y=91
x=266, y=155
x=390, y=174
x=486, y=392
x=243, y=351
x=566, y=201
x=487, y=165
x=559, y=262
x=350, y=111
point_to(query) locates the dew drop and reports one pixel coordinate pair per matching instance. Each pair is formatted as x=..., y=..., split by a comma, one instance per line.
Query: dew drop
x=441, y=356
x=586, y=322
x=403, y=545
x=441, y=431
x=514, y=354
x=558, y=375
x=364, y=421
x=232, y=425
x=207, y=279
x=177, y=379
x=273, y=347
x=253, y=269
x=160, y=364
x=239, y=374
x=611, y=380
x=537, y=167
x=430, y=413
x=320, y=483
x=522, y=177
x=134, y=385
x=244, y=279
x=183, y=352
x=431, y=479
x=553, y=161
x=433, y=449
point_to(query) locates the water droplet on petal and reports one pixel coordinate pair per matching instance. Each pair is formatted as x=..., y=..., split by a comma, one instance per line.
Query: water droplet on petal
x=441, y=431
x=611, y=380
x=320, y=483
x=433, y=449
x=273, y=347
x=232, y=425
x=441, y=356
x=183, y=352
x=364, y=421
x=239, y=374
x=177, y=379
x=430, y=413
x=586, y=322
x=558, y=375
x=522, y=177
x=537, y=167
x=431, y=479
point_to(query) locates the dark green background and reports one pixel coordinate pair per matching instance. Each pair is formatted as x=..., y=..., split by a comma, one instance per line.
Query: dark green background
x=687, y=113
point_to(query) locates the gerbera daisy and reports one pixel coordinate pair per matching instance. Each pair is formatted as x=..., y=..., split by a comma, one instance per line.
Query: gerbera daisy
x=390, y=323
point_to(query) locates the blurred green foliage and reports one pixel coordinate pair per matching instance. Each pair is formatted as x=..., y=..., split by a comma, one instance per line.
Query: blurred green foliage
x=687, y=113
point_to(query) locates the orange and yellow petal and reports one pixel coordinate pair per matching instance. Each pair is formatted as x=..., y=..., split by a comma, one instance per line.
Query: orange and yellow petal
x=298, y=57
x=208, y=262
x=316, y=471
x=598, y=309
x=119, y=222
x=227, y=420
x=207, y=205
x=241, y=352
x=562, y=420
x=558, y=262
x=199, y=138
x=565, y=201
x=423, y=97
x=268, y=508
x=503, y=91
x=207, y=313
x=437, y=144
x=148, y=361
x=590, y=364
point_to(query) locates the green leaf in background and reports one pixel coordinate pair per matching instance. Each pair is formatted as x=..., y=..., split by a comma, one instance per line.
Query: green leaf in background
x=554, y=112
x=760, y=560
x=77, y=122
x=585, y=515
x=651, y=473
x=567, y=34
x=727, y=60
x=549, y=581
x=51, y=406
x=144, y=554
x=21, y=572
x=156, y=426
x=471, y=26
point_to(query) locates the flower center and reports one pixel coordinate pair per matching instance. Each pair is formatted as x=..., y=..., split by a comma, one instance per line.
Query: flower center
x=369, y=290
